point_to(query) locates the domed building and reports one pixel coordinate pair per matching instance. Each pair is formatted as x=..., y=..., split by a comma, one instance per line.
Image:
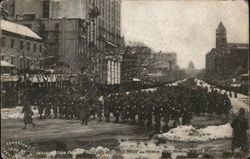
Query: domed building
x=191, y=65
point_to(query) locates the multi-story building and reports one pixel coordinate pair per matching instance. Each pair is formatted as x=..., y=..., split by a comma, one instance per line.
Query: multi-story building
x=166, y=61
x=9, y=6
x=135, y=61
x=20, y=45
x=21, y=50
x=239, y=57
x=64, y=38
x=227, y=59
x=163, y=66
x=84, y=34
x=129, y=66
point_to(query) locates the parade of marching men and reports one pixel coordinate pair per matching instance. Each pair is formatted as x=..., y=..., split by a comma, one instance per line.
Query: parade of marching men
x=124, y=79
x=143, y=107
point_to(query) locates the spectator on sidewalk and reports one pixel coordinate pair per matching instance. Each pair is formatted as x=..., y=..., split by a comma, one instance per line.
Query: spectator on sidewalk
x=240, y=126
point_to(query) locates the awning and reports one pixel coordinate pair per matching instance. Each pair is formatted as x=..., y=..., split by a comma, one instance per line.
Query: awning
x=6, y=64
x=8, y=78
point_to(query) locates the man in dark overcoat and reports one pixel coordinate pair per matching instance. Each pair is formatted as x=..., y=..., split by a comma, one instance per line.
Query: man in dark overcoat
x=240, y=126
x=107, y=108
x=84, y=114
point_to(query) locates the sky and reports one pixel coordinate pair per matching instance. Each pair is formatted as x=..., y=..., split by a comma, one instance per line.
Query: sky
x=184, y=27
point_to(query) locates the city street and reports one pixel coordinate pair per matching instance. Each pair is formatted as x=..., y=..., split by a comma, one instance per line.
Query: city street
x=61, y=135
x=124, y=79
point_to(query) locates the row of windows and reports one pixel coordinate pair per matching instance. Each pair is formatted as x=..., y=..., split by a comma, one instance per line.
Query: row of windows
x=12, y=60
x=22, y=45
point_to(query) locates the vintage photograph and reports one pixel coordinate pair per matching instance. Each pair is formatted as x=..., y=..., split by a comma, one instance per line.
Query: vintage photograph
x=124, y=79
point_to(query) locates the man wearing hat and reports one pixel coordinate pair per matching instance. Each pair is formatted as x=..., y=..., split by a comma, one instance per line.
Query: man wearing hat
x=240, y=126
x=84, y=114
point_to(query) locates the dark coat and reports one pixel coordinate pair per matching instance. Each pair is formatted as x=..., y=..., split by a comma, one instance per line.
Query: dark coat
x=84, y=114
x=28, y=113
x=107, y=108
x=240, y=126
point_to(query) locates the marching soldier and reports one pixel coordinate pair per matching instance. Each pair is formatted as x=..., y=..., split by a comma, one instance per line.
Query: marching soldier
x=116, y=111
x=176, y=116
x=186, y=117
x=41, y=106
x=55, y=104
x=66, y=107
x=71, y=108
x=84, y=114
x=107, y=108
x=157, y=118
x=132, y=110
x=230, y=94
x=77, y=108
x=148, y=112
x=123, y=104
x=48, y=107
x=92, y=107
x=166, y=115
x=99, y=108
x=235, y=95
x=141, y=113
x=28, y=113
x=61, y=108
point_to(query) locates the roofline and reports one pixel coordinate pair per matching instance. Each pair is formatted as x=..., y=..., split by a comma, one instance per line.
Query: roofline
x=38, y=36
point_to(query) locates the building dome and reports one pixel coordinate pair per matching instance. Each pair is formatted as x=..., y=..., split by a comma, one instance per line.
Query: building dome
x=191, y=65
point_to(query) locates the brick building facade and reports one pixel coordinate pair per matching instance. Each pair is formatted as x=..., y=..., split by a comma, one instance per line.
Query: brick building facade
x=20, y=46
x=84, y=34
x=227, y=59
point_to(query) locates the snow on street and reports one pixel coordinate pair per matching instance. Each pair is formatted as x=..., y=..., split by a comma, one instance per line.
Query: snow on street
x=192, y=134
x=16, y=112
x=105, y=138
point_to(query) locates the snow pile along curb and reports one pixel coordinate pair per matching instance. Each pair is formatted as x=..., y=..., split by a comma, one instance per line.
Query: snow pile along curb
x=191, y=134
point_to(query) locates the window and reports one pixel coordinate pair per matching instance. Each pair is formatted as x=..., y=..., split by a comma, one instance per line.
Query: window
x=21, y=62
x=29, y=16
x=34, y=47
x=56, y=26
x=12, y=59
x=12, y=43
x=40, y=48
x=56, y=38
x=28, y=46
x=3, y=41
x=28, y=25
x=46, y=9
x=2, y=57
x=28, y=61
x=21, y=45
x=7, y=59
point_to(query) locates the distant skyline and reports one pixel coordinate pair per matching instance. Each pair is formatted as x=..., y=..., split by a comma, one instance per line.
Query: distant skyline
x=184, y=27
